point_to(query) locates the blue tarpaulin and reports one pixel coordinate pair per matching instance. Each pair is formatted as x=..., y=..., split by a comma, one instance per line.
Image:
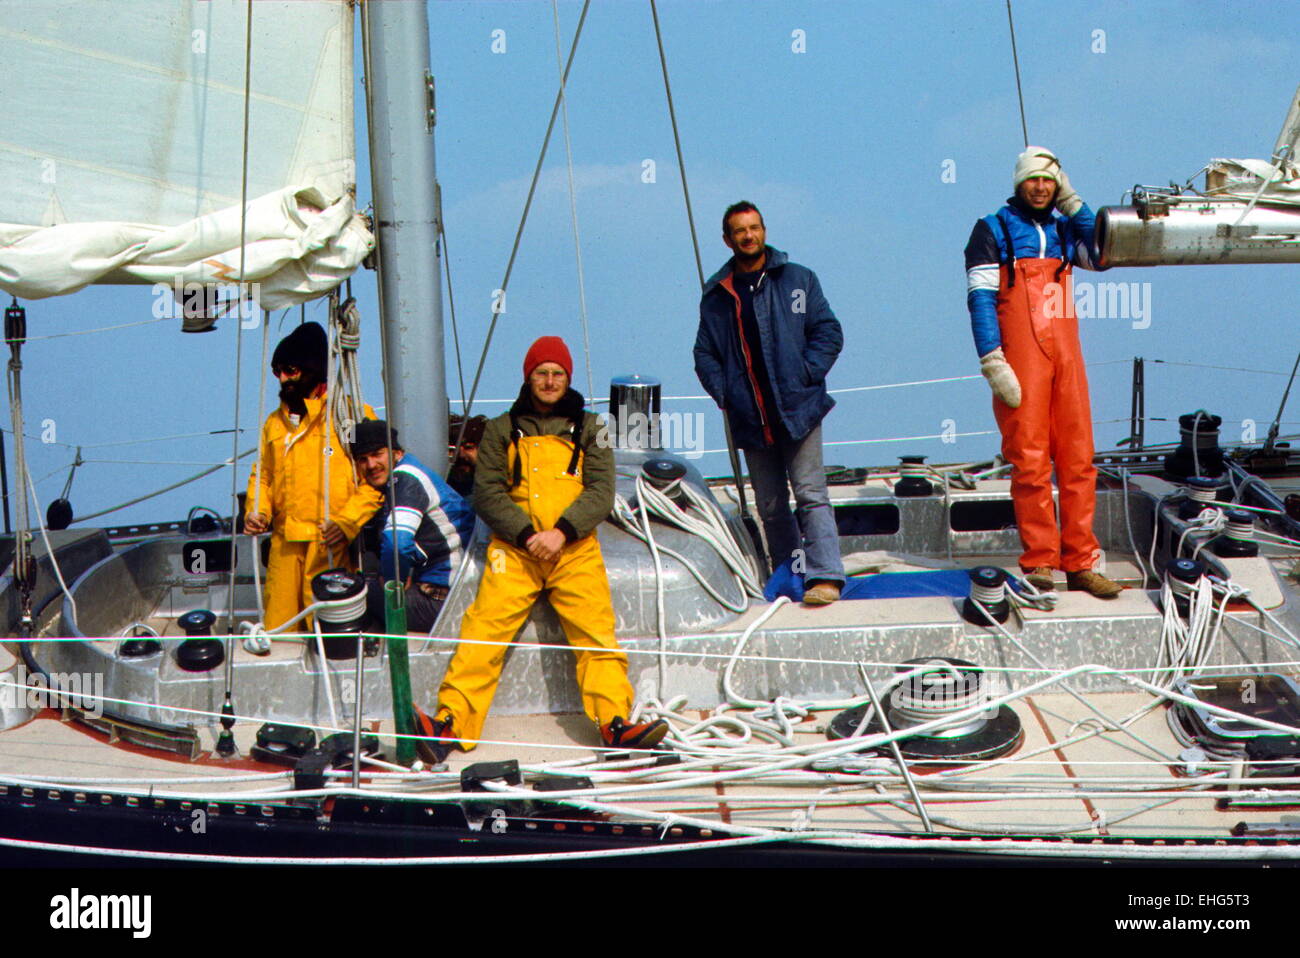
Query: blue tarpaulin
x=882, y=585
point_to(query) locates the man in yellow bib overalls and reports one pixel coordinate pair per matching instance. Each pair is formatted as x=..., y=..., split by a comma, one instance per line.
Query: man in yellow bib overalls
x=544, y=483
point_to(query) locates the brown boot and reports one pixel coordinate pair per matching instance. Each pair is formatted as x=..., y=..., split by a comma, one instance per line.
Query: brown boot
x=1094, y=583
x=821, y=593
x=1041, y=578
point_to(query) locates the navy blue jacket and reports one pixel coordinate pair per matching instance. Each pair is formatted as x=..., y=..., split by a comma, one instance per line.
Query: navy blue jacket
x=434, y=524
x=800, y=339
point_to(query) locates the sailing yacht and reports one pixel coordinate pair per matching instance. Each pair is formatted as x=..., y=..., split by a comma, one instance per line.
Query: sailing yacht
x=956, y=713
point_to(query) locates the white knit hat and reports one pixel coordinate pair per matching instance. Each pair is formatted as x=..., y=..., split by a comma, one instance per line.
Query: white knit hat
x=1035, y=161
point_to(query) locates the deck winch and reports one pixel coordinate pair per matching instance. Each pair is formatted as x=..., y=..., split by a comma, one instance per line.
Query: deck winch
x=1202, y=494
x=343, y=613
x=934, y=688
x=912, y=481
x=1198, y=452
x=1237, y=541
x=1184, y=576
x=199, y=652
x=988, y=596
x=666, y=475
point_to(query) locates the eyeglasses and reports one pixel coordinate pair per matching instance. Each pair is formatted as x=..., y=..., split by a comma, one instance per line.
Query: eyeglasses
x=284, y=369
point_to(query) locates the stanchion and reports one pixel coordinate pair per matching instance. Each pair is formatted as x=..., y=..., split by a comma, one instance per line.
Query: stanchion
x=399, y=671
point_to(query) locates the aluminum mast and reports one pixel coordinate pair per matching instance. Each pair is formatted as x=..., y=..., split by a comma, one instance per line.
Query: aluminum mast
x=400, y=102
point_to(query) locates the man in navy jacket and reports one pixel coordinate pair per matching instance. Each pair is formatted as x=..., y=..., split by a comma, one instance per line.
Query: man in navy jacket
x=766, y=341
x=429, y=520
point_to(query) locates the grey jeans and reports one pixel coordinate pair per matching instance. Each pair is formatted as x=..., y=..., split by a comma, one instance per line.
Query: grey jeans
x=813, y=541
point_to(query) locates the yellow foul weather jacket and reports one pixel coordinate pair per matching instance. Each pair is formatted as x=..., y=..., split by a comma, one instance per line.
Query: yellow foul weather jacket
x=290, y=486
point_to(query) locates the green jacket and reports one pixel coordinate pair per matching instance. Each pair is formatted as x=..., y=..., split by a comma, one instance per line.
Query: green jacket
x=493, y=476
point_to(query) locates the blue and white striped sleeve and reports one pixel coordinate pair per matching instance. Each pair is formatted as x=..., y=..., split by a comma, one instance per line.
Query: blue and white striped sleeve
x=409, y=503
x=982, y=269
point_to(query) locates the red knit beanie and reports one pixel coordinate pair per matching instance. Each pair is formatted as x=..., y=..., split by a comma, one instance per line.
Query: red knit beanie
x=548, y=349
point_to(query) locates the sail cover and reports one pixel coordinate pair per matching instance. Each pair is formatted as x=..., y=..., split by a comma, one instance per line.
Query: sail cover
x=121, y=147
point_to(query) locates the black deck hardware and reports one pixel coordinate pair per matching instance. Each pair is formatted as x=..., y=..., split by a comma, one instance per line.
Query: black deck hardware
x=310, y=771
x=282, y=744
x=473, y=776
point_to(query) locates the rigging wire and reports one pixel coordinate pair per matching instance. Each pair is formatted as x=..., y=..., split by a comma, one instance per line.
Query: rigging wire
x=1015, y=59
x=175, y=485
x=49, y=550
x=256, y=505
x=101, y=329
x=451, y=302
x=523, y=219
x=695, y=241
x=239, y=331
x=573, y=201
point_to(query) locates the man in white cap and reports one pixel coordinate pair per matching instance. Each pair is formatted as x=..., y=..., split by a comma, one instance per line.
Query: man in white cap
x=1019, y=293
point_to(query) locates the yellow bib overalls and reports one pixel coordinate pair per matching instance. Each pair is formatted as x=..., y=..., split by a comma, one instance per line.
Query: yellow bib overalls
x=512, y=580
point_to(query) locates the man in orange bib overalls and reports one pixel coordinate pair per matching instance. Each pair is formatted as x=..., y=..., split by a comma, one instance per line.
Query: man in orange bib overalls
x=544, y=483
x=1020, y=295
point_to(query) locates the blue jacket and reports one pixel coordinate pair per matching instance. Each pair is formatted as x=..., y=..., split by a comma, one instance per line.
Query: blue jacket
x=434, y=524
x=800, y=339
x=1033, y=234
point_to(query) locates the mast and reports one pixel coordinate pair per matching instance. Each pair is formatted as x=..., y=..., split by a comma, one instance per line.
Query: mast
x=400, y=114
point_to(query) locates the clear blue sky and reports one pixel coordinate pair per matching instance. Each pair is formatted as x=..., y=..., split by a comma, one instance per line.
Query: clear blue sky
x=844, y=146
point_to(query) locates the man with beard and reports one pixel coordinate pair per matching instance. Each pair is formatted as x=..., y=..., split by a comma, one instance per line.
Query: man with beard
x=286, y=491
x=544, y=484
x=461, y=476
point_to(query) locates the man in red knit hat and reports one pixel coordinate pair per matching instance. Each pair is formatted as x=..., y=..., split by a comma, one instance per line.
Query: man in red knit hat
x=544, y=483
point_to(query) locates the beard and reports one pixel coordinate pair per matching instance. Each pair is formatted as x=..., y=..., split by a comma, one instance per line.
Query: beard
x=293, y=392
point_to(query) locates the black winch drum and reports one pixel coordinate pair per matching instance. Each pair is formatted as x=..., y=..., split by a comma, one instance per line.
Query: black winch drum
x=199, y=652
x=951, y=686
x=345, y=617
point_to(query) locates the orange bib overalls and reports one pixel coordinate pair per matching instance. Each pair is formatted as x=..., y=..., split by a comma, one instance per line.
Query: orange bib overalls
x=1053, y=423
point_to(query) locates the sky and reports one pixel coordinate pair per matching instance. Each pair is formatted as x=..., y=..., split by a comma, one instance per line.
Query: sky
x=871, y=135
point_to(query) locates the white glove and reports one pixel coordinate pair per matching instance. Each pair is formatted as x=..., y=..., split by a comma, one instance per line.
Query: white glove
x=1001, y=377
x=1067, y=201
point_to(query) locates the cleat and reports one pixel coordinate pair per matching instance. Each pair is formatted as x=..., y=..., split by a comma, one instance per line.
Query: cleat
x=1094, y=583
x=435, y=739
x=618, y=734
x=821, y=593
x=1041, y=578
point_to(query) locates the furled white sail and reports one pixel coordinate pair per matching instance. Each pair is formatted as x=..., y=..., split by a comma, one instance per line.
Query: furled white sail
x=1246, y=179
x=121, y=145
